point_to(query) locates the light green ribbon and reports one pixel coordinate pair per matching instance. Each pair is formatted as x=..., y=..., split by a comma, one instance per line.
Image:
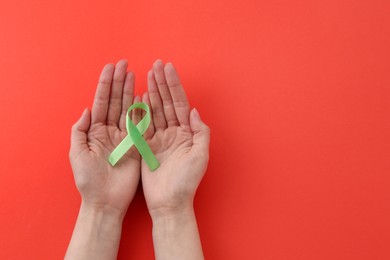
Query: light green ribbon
x=134, y=137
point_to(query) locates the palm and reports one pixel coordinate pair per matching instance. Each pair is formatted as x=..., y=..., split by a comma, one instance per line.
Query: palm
x=98, y=182
x=172, y=140
x=106, y=185
x=164, y=188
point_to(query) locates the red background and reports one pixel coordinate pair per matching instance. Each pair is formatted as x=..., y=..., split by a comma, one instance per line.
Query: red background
x=296, y=94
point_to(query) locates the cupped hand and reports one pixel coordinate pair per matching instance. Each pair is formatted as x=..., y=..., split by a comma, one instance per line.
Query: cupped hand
x=96, y=134
x=178, y=138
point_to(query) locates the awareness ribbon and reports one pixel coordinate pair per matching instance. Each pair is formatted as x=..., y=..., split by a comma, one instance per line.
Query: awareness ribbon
x=134, y=137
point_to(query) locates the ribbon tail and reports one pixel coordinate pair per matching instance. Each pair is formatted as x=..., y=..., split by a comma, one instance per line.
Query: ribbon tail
x=135, y=137
x=120, y=150
x=144, y=149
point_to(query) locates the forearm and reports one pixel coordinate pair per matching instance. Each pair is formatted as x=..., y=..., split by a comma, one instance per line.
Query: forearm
x=96, y=234
x=176, y=236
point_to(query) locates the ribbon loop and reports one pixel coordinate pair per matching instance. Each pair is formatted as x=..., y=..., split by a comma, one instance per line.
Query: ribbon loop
x=134, y=137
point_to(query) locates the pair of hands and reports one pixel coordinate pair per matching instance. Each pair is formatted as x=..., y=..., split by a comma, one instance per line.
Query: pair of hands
x=177, y=136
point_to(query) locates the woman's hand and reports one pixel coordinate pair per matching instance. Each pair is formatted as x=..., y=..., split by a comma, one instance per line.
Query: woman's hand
x=94, y=137
x=106, y=191
x=180, y=141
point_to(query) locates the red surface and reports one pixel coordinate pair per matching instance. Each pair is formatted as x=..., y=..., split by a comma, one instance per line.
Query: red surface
x=297, y=95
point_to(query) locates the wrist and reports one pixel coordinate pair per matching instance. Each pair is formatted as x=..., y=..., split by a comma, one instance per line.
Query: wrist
x=169, y=221
x=172, y=211
x=176, y=235
x=96, y=235
x=100, y=220
x=103, y=211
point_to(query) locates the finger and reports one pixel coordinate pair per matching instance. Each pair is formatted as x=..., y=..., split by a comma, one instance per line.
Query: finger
x=78, y=138
x=115, y=104
x=100, y=103
x=201, y=139
x=150, y=131
x=156, y=103
x=180, y=101
x=169, y=110
x=127, y=98
x=136, y=113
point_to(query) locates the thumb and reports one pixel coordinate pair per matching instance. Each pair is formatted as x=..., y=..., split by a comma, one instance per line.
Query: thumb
x=78, y=139
x=201, y=132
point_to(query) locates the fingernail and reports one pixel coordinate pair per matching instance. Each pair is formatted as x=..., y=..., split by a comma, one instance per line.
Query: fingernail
x=169, y=69
x=157, y=63
x=130, y=74
x=196, y=114
x=123, y=61
x=150, y=74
